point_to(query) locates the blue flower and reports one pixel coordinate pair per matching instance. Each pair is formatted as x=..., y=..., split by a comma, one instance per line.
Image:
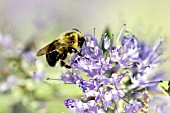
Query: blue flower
x=113, y=72
x=8, y=83
x=133, y=107
x=28, y=56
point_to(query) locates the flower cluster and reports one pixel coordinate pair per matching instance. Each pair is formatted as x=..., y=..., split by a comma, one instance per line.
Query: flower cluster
x=112, y=73
x=109, y=75
x=19, y=77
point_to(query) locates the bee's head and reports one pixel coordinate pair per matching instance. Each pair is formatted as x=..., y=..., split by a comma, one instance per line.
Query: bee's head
x=81, y=41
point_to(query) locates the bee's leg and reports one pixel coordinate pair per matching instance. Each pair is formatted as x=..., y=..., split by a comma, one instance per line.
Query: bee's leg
x=79, y=53
x=71, y=50
x=64, y=55
x=64, y=64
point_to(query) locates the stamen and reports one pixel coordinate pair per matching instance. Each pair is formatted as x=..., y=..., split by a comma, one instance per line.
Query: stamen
x=54, y=79
x=59, y=80
x=157, y=45
x=156, y=34
x=101, y=40
x=116, y=106
x=128, y=42
x=94, y=32
x=153, y=82
x=112, y=39
x=121, y=31
x=144, y=68
x=125, y=100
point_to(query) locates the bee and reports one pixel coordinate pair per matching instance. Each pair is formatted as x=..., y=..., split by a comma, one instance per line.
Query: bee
x=68, y=42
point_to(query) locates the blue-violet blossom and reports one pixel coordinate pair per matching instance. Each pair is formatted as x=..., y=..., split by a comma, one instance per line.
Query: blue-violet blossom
x=112, y=73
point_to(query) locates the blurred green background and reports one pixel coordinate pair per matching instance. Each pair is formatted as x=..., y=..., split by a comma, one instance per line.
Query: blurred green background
x=34, y=23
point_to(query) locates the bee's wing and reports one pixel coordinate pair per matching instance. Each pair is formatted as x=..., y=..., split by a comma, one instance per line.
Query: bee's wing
x=50, y=48
x=43, y=51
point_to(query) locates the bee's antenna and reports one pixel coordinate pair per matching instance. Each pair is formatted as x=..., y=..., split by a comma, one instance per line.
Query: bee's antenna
x=76, y=30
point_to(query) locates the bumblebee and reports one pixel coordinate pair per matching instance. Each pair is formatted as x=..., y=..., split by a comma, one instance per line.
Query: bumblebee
x=68, y=42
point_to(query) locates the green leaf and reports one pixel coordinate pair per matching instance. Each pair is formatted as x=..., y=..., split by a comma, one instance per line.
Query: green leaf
x=106, y=33
x=165, y=87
